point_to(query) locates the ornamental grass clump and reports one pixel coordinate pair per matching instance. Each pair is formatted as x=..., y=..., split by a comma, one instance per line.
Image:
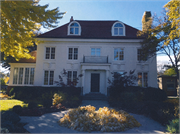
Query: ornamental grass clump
x=85, y=118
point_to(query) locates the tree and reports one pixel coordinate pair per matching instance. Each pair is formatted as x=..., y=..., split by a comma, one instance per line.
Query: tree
x=19, y=20
x=170, y=72
x=160, y=40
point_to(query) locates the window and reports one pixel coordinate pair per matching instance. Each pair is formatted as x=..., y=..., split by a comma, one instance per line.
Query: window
x=95, y=51
x=141, y=55
x=170, y=84
x=118, y=54
x=118, y=29
x=143, y=79
x=23, y=77
x=50, y=53
x=72, y=75
x=74, y=29
x=48, y=77
x=73, y=54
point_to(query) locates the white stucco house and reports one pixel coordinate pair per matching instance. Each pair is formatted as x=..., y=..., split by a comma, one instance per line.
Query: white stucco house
x=92, y=48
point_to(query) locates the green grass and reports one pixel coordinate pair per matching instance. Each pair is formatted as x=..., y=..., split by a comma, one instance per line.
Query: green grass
x=9, y=104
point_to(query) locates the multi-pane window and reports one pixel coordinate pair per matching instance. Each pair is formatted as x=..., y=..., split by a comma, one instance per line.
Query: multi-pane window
x=140, y=55
x=118, y=54
x=95, y=51
x=118, y=29
x=143, y=79
x=72, y=75
x=73, y=54
x=170, y=84
x=48, y=77
x=23, y=76
x=50, y=53
x=74, y=29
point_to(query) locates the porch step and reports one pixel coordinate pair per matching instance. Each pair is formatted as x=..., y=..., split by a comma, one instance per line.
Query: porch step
x=94, y=96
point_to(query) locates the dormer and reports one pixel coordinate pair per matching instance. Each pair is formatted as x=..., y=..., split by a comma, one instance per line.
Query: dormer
x=118, y=29
x=74, y=28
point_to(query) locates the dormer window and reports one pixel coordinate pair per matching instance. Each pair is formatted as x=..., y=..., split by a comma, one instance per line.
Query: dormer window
x=74, y=28
x=118, y=29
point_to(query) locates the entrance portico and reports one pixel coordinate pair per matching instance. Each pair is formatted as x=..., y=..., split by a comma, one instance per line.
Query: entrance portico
x=95, y=77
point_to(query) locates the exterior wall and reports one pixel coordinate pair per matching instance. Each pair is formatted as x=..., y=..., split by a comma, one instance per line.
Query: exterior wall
x=61, y=61
x=84, y=46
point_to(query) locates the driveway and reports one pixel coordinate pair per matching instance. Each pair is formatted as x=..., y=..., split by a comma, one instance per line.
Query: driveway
x=47, y=123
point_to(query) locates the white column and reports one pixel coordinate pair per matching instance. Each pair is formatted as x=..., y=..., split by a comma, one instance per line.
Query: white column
x=107, y=75
x=83, y=78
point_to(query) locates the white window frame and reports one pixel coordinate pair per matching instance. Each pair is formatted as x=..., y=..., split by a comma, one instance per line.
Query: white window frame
x=73, y=53
x=23, y=76
x=69, y=27
x=95, y=51
x=48, y=78
x=123, y=27
x=50, y=53
x=118, y=54
x=142, y=79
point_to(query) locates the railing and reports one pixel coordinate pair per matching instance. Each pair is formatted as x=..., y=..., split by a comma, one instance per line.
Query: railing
x=95, y=59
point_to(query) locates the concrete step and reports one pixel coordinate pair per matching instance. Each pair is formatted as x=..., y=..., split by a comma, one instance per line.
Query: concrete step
x=94, y=96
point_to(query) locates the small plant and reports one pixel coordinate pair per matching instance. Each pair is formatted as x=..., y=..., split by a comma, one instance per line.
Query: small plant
x=57, y=99
x=173, y=127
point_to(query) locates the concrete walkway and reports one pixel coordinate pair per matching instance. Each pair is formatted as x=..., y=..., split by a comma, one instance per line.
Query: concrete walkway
x=47, y=123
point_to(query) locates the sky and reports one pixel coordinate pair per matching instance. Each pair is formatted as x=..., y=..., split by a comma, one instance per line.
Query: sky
x=126, y=11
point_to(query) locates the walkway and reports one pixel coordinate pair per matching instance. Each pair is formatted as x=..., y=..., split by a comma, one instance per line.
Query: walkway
x=47, y=123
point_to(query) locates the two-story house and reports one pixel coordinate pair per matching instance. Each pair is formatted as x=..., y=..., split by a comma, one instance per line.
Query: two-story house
x=92, y=48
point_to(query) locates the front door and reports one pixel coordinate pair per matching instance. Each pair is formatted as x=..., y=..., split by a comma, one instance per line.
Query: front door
x=95, y=78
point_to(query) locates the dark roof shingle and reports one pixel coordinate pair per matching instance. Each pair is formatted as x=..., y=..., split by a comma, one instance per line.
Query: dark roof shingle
x=92, y=30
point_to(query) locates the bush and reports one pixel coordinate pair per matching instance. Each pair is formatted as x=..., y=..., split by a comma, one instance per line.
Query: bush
x=173, y=126
x=154, y=94
x=17, y=109
x=11, y=92
x=10, y=116
x=28, y=93
x=57, y=99
x=128, y=97
x=32, y=105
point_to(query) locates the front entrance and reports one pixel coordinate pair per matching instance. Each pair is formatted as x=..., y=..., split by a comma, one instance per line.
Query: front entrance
x=95, y=79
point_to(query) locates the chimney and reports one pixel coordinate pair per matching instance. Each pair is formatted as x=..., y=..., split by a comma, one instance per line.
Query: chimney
x=146, y=20
x=71, y=18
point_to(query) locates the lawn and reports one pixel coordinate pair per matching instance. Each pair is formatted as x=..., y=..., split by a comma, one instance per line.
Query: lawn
x=9, y=104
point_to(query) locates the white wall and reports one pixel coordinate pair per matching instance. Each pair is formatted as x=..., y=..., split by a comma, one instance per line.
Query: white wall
x=84, y=48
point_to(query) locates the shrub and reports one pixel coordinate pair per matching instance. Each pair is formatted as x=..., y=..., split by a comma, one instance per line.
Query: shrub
x=11, y=92
x=173, y=126
x=32, y=105
x=10, y=116
x=128, y=97
x=17, y=109
x=154, y=94
x=57, y=99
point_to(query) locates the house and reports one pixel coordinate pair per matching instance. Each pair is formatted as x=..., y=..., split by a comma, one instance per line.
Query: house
x=168, y=84
x=92, y=48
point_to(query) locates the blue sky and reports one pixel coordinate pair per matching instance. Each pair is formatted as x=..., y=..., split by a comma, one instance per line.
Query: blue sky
x=127, y=11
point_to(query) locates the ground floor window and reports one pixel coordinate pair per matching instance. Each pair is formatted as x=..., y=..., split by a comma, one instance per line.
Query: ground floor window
x=71, y=79
x=48, y=77
x=143, y=79
x=23, y=75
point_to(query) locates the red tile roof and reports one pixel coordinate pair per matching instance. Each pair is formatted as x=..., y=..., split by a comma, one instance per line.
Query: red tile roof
x=33, y=53
x=92, y=30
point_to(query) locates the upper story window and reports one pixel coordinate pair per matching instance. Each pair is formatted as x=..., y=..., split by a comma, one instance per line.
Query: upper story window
x=73, y=54
x=50, y=53
x=118, y=54
x=95, y=51
x=140, y=55
x=118, y=29
x=74, y=28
